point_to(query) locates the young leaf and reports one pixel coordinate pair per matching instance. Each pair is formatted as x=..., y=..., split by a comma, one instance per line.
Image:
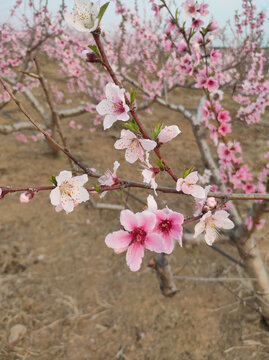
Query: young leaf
x=102, y=11
x=159, y=164
x=53, y=180
x=132, y=96
x=187, y=172
x=131, y=125
x=94, y=48
x=157, y=130
x=97, y=188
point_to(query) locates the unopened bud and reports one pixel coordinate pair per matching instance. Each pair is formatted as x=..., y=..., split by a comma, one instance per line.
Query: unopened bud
x=26, y=196
x=90, y=56
x=211, y=202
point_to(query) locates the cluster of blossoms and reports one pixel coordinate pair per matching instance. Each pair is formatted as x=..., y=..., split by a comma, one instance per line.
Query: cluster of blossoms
x=154, y=229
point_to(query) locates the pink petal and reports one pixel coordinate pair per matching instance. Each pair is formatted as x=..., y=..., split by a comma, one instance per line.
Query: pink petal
x=63, y=176
x=131, y=154
x=134, y=256
x=179, y=184
x=154, y=242
x=118, y=239
x=199, y=228
x=122, y=144
x=105, y=107
x=210, y=234
x=152, y=205
x=192, y=178
x=109, y=121
x=168, y=244
x=55, y=196
x=146, y=220
x=83, y=195
x=128, y=220
x=148, y=145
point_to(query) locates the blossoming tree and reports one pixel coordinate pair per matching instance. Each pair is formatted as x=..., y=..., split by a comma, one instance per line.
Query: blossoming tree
x=175, y=49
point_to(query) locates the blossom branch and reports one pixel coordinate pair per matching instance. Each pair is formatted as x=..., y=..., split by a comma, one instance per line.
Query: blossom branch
x=105, y=62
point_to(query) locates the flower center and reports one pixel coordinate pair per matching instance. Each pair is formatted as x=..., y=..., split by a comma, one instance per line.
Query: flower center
x=119, y=107
x=165, y=226
x=139, y=235
x=66, y=188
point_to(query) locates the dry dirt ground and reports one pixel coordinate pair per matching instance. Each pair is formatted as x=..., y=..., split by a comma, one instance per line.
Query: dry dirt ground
x=78, y=300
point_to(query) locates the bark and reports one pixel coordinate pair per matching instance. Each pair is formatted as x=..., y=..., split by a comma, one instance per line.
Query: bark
x=165, y=276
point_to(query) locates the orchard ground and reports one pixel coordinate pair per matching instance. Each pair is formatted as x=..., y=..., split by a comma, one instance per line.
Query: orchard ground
x=77, y=299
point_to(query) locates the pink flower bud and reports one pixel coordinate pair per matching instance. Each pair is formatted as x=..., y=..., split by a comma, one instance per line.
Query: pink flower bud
x=211, y=202
x=168, y=133
x=26, y=196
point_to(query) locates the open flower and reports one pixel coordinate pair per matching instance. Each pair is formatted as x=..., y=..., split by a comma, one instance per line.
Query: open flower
x=113, y=107
x=135, y=146
x=109, y=178
x=210, y=223
x=85, y=17
x=168, y=133
x=69, y=191
x=188, y=185
x=136, y=237
x=168, y=225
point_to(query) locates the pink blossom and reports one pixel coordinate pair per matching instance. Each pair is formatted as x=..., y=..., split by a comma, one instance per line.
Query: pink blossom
x=213, y=25
x=168, y=224
x=203, y=9
x=113, y=107
x=168, y=133
x=223, y=116
x=211, y=84
x=85, y=17
x=188, y=185
x=181, y=46
x=260, y=224
x=135, y=146
x=215, y=55
x=209, y=223
x=109, y=178
x=69, y=191
x=249, y=188
x=191, y=8
x=26, y=196
x=225, y=129
x=136, y=236
x=200, y=202
x=197, y=23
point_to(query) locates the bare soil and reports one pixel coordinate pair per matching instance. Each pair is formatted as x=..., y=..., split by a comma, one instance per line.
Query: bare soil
x=78, y=300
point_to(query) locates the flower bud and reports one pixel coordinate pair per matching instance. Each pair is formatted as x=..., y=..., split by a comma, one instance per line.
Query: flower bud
x=90, y=56
x=26, y=196
x=211, y=202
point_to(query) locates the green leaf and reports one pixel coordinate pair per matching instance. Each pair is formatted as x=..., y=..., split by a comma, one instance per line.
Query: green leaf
x=97, y=188
x=157, y=130
x=94, y=48
x=187, y=172
x=131, y=125
x=102, y=11
x=159, y=163
x=53, y=180
x=132, y=96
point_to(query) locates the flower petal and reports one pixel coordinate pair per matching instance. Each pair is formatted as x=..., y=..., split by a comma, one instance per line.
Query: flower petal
x=109, y=121
x=128, y=220
x=134, y=256
x=118, y=239
x=199, y=228
x=154, y=242
x=63, y=176
x=146, y=220
x=83, y=195
x=148, y=145
x=55, y=196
